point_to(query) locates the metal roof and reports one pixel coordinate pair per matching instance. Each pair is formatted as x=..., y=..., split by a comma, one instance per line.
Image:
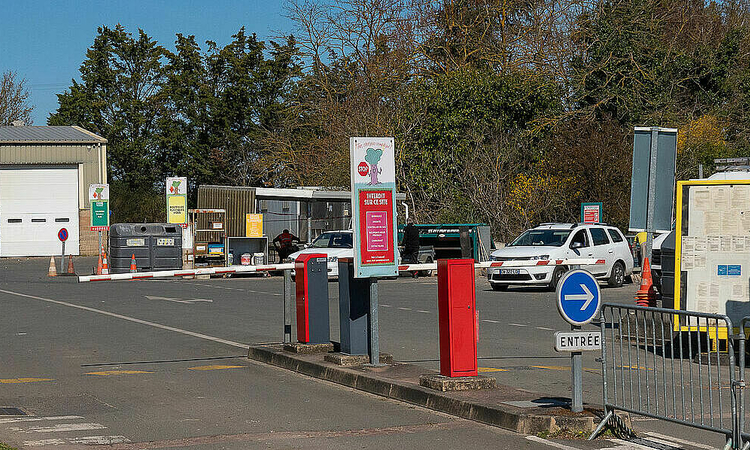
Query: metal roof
x=48, y=135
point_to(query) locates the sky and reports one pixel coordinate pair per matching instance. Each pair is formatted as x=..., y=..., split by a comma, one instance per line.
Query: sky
x=45, y=41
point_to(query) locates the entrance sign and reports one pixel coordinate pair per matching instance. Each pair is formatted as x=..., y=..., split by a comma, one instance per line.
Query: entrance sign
x=177, y=200
x=578, y=297
x=576, y=341
x=591, y=212
x=99, y=206
x=373, y=175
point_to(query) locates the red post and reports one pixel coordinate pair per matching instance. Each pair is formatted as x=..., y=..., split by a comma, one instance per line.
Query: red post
x=311, y=298
x=457, y=316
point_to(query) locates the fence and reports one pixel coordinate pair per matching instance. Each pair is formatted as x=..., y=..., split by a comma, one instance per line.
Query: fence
x=650, y=369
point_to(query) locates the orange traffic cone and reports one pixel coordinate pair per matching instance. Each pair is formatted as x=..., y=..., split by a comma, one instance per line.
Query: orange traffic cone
x=71, y=270
x=646, y=295
x=105, y=266
x=133, y=266
x=99, y=265
x=52, y=272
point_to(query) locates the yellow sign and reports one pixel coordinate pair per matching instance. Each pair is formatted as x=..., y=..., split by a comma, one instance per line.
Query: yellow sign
x=176, y=209
x=254, y=225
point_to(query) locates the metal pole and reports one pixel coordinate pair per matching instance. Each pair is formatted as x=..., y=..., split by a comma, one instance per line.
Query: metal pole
x=576, y=376
x=289, y=293
x=62, y=262
x=374, y=339
x=100, y=242
x=651, y=207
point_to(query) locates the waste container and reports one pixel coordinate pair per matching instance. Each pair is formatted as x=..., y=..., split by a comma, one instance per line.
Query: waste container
x=156, y=246
x=667, y=271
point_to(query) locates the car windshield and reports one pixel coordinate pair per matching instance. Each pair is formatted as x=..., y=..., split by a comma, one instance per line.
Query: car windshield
x=553, y=238
x=333, y=240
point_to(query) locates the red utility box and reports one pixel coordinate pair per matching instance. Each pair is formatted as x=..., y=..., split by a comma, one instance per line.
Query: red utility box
x=311, y=273
x=457, y=316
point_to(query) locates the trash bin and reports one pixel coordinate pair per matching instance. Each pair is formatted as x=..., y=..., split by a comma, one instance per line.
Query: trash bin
x=667, y=270
x=156, y=246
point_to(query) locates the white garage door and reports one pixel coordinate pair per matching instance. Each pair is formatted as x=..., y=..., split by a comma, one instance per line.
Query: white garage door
x=34, y=204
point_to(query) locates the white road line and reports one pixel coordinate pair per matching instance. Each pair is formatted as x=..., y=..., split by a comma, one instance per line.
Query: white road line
x=100, y=440
x=132, y=319
x=677, y=440
x=517, y=325
x=385, y=306
x=545, y=328
x=423, y=311
x=63, y=427
x=490, y=321
x=38, y=419
x=43, y=442
x=404, y=309
x=550, y=443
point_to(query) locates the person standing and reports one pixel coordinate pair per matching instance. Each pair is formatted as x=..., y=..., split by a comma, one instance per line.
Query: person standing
x=411, y=243
x=284, y=244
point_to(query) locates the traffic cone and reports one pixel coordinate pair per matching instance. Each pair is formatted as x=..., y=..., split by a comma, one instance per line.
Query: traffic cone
x=71, y=270
x=52, y=272
x=133, y=266
x=646, y=295
x=105, y=267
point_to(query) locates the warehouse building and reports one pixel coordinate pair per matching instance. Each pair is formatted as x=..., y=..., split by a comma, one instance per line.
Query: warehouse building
x=45, y=173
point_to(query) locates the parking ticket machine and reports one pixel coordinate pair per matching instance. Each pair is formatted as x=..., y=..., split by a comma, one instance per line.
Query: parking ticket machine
x=311, y=272
x=457, y=318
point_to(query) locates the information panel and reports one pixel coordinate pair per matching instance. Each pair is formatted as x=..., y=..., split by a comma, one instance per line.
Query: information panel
x=99, y=204
x=177, y=200
x=373, y=174
x=713, y=247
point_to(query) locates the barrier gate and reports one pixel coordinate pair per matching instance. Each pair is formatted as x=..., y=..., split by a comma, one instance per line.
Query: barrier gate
x=684, y=377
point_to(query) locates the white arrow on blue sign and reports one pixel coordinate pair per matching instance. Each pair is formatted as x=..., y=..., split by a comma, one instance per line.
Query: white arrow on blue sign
x=578, y=297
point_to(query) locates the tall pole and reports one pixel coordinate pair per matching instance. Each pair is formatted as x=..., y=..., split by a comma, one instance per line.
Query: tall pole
x=651, y=207
x=576, y=378
x=374, y=339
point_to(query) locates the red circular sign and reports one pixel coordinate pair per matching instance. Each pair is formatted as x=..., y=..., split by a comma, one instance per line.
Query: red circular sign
x=62, y=234
x=363, y=168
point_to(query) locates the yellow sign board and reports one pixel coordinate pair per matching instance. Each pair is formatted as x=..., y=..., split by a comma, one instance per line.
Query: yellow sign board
x=176, y=209
x=253, y=225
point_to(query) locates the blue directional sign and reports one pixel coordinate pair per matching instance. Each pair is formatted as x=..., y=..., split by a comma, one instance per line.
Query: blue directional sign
x=578, y=297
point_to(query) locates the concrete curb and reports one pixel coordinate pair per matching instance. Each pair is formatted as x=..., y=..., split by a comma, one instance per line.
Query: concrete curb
x=460, y=404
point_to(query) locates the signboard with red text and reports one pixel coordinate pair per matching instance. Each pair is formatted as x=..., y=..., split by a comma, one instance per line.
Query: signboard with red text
x=373, y=172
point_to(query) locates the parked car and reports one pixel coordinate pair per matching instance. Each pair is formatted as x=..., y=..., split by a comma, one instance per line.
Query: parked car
x=550, y=241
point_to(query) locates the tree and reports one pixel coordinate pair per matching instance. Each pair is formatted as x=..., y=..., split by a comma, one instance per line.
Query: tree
x=14, y=97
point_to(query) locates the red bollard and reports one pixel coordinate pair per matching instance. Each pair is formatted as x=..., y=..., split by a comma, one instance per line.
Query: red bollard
x=458, y=318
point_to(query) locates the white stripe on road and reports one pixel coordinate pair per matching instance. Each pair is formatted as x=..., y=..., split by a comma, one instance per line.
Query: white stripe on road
x=132, y=319
x=517, y=325
x=423, y=311
x=677, y=440
x=550, y=443
x=490, y=321
x=43, y=442
x=38, y=419
x=545, y=328
x=100, y=440
x=404, y=309
x=64, y=427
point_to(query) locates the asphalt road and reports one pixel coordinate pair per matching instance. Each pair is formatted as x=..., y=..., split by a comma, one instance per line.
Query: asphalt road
x=161, y=364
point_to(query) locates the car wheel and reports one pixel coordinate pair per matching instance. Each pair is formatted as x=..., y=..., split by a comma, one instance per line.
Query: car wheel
x=499, y=287
x=426, y=273
x=556, y=276
x=617, y=277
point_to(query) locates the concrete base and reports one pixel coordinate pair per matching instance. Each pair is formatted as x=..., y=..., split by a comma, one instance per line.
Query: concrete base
x=444, y=384
x=298, y=347
x=344, y=360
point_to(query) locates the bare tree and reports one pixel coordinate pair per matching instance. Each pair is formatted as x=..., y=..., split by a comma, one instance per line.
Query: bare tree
x=14, y=98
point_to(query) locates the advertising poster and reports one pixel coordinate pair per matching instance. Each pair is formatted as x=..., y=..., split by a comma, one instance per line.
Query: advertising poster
x=373, y=174
x=177, y=200
x=99, y=204
x=253, y=225
x=591, y=212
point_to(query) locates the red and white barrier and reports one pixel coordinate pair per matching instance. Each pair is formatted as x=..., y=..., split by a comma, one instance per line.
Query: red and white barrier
x=289, y=266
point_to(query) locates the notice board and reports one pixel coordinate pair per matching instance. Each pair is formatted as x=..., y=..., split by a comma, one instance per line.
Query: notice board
x=713, y=248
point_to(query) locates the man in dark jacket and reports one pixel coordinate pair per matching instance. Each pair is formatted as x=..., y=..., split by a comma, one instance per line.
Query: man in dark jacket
x=284, y=244
x=411, y=243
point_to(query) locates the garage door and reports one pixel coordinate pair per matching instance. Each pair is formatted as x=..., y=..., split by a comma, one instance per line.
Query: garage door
x=34, y=204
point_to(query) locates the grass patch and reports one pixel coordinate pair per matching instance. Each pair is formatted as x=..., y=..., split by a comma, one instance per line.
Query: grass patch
x=6, y=447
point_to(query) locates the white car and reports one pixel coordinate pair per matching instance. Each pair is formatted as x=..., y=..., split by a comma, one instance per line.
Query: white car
x=334, y=244
x=550, y=241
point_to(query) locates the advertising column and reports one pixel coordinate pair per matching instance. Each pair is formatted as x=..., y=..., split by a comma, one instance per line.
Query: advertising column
x=373, y=174
x=177, y=200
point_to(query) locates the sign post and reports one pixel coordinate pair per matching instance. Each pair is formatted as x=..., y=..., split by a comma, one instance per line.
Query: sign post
x=177, y=200
x=578, y=301
x=99, y=209
x=373, y=181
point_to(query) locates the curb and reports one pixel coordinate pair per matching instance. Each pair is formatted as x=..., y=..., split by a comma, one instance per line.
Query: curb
x=493, y=413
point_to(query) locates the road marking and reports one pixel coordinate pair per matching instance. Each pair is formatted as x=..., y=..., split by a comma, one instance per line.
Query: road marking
x=100, y=440
x=215, y=367
x=43, y=442
x=105, y=373
x=62, y=427
x=23, y=380
x=132, y=319
x=628, y=445
x=587, y=369
x=178, y=300
x=37, y=419
x=423, y=311
x=517, y=325
x=490, y=321
x=491, y=369
x=550, y=443
x=227, y=288
x=545, y=328
x=404, y=309
x=385, y=306
x=677, y=440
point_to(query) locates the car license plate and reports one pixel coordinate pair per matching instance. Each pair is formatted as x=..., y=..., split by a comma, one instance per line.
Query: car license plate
x=510, y=271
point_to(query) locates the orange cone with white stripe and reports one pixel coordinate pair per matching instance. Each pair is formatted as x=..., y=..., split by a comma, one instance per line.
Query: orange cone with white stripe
x=133, y=266
x=52, y=272
x=71, y=269
x=105, y=266
x=646, y=295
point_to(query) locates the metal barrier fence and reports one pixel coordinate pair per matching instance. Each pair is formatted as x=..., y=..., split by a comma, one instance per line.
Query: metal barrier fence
x=741, y=419
x=651, y=368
